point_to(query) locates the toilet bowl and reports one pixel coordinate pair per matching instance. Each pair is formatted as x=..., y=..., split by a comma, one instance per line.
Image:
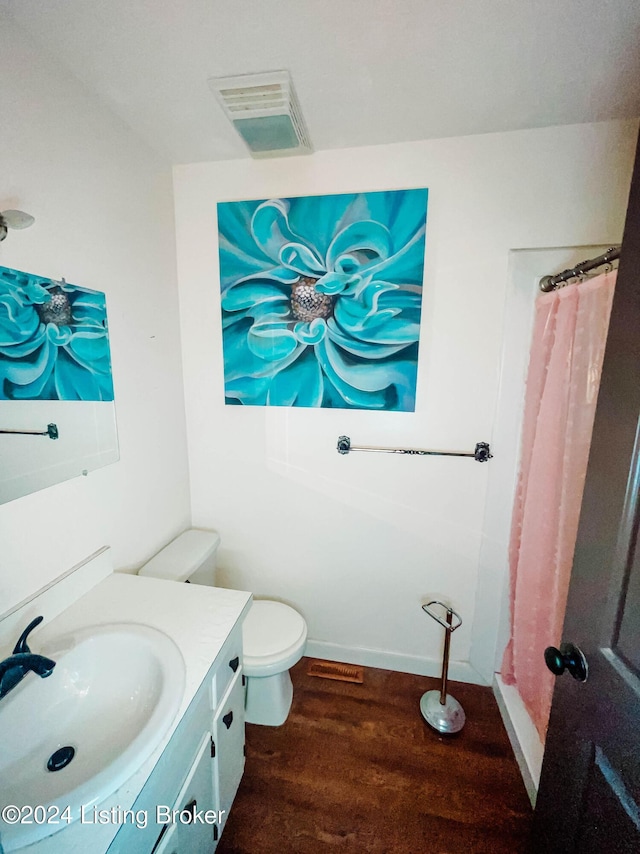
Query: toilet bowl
x=274, y=635
x=273, y=639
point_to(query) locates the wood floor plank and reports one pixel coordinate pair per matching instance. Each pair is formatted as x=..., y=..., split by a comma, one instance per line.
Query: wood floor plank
x=356, y=769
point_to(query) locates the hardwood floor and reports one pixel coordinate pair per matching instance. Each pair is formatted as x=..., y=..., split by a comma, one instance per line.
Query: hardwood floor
x=356, y=769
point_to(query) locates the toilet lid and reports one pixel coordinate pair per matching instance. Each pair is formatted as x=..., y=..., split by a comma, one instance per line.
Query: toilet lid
x=270, y=628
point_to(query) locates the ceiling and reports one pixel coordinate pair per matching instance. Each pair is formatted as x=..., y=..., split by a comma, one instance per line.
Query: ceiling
x=366, y=71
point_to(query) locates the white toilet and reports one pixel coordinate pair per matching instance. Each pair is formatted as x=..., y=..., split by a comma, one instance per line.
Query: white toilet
x=274, y=635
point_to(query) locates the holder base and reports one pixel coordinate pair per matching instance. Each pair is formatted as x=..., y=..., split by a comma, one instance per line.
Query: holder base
x=447, y=719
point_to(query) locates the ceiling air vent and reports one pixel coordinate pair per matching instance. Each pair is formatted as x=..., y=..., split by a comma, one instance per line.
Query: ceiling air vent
x=265, y=112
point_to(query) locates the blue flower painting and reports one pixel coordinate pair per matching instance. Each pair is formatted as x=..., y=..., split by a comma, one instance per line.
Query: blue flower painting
x=321, y=299
x=54, y=343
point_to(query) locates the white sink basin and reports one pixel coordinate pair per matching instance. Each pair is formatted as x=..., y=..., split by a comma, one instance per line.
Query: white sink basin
x=112, y=696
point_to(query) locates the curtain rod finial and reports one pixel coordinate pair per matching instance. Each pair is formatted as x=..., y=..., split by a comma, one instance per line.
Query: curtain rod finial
x=546, y=284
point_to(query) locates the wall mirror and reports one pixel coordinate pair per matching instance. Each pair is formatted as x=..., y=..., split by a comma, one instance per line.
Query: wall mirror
x=57, y=413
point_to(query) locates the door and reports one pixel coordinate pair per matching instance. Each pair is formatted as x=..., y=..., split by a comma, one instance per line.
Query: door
x=589, y=796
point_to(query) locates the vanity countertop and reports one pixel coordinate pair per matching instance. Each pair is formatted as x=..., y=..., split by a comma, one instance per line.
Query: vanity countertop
x=198, y=619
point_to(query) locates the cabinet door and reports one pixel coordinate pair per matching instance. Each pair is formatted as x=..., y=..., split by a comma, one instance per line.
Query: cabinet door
x=196, y=823
x=228, y=728
x=230, y=662
x=168, y=842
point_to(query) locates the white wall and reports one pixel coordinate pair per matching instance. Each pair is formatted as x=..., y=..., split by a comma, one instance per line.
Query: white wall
x=104, y=220
x=358, y=542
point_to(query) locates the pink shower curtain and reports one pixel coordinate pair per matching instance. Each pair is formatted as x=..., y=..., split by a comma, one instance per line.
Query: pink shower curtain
x=567, y=349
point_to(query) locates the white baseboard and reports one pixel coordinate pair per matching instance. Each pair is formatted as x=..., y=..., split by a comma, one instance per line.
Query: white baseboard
x=527, y=745
x=459, y=671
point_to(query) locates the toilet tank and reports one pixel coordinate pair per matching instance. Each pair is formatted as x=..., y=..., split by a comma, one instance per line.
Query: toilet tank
x=190, y=557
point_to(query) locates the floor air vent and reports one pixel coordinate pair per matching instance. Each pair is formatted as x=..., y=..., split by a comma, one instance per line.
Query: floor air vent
x=334, y=670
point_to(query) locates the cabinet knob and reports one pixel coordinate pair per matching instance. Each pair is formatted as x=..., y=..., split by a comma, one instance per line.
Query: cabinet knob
x=191, y=808
x=227, y=719
x=234, y=663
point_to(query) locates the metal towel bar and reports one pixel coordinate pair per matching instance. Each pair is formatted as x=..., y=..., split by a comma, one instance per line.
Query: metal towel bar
x=51, y=432
x=481, y=454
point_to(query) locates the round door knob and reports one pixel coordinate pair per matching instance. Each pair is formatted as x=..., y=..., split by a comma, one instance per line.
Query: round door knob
x=568, y=657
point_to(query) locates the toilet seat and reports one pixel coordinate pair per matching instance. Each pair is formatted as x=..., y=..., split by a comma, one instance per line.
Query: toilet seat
x=273, y=637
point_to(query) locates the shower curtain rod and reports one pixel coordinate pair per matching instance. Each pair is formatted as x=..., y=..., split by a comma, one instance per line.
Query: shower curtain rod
x=549, y=283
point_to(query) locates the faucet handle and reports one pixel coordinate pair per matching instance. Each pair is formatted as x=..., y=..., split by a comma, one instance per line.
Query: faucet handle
x=21, y=645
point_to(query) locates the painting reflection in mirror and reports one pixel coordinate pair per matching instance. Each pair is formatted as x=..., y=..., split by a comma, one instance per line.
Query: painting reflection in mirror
x=54, y=340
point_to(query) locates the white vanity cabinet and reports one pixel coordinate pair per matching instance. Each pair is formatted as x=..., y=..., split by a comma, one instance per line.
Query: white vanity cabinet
x=187, y=798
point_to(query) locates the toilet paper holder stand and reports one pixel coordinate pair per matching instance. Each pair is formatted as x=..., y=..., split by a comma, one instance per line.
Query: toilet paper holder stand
x=439, y=709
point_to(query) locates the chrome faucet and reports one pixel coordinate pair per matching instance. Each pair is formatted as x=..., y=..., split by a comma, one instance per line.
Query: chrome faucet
x=14, y=668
